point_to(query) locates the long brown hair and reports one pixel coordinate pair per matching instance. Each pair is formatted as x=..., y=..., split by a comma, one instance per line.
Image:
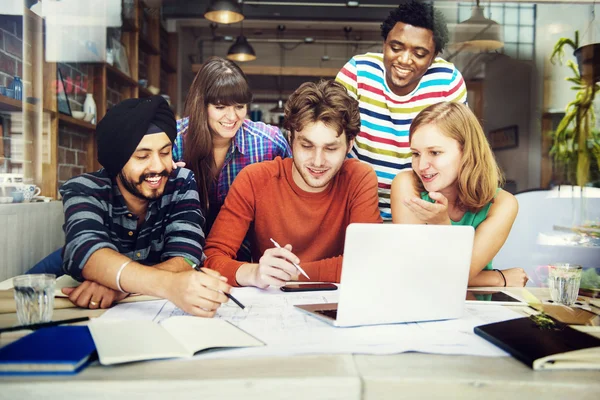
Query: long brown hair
x=479, y=175
x=219, y=81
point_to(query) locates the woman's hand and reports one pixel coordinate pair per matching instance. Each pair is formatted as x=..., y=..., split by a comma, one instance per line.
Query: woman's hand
x=430, y=213
x=178, y=164
x=515, y=277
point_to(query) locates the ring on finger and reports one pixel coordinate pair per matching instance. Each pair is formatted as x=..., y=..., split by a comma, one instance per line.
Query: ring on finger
x=93, y=303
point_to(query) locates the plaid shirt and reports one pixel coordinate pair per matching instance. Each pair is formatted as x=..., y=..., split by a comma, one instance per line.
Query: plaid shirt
x=253, y=142
x=97, y=217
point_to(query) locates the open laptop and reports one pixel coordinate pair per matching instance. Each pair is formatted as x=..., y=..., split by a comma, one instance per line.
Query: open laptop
x=396, y=273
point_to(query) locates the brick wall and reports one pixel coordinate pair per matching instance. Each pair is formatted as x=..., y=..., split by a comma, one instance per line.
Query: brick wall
x=11, y=48
x=76, y=77
x=72, y=153
x=113, y=96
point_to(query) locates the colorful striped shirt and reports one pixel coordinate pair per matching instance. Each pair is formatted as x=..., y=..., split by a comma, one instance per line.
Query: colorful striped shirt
x=386, y=117
x=97, y=217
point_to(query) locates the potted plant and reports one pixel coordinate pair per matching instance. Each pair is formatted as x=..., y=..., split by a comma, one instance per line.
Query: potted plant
x=576, y=141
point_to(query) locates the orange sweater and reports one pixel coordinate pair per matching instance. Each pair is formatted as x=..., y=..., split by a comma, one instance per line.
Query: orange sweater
x=265, y=201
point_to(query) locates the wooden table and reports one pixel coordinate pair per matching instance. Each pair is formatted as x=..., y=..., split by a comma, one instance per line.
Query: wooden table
x=407, y=375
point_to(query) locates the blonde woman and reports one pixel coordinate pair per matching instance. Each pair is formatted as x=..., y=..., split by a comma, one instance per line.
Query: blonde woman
x=455, y=181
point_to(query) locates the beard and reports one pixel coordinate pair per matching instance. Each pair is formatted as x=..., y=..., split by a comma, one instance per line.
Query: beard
x=132, y=186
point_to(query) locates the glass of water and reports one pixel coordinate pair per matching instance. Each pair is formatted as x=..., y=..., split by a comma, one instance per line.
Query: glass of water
x=563, y=281
x=34, y=296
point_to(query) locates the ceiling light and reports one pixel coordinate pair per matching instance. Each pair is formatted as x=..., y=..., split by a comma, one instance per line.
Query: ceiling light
x=278, y=108
x=478, y=33
x=224, y=12
x=241, y=50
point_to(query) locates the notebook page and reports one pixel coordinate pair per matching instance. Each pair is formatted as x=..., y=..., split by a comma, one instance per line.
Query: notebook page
x=127, y=341
x=197, y=334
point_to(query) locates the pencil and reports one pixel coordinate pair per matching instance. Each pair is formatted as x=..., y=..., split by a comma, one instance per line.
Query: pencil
x=199, y=269
x=293, y=263
x=44, y=324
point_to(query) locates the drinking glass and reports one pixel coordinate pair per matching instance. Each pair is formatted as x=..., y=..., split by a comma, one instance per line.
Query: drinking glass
x=34, y=296
x=563, y=281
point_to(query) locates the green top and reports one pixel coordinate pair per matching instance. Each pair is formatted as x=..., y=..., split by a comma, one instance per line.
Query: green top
x=469, y=219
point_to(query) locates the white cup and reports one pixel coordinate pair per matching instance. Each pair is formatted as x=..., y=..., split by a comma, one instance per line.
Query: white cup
x=29, y=192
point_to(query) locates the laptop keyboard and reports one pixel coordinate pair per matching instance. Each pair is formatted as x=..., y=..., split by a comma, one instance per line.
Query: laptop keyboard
x=328, y=313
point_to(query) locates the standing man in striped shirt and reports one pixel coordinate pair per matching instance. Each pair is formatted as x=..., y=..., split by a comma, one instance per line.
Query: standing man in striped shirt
x=393, y=87
x=130, y=226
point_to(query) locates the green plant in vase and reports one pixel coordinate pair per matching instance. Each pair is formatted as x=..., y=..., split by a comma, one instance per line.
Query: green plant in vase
x=576, y=141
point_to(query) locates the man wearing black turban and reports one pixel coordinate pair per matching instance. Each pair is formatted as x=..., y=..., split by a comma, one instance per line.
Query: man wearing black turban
x=131, y=225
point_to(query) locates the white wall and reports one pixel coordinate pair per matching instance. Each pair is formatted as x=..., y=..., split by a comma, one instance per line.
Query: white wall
x=506, y=102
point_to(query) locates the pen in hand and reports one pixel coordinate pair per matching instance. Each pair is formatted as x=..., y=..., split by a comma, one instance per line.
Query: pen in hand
x=293, y=263
x=199, y=269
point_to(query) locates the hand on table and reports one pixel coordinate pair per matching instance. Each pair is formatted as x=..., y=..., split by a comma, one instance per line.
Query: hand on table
x=275, y=267
x=515, y=277
x=92, y=295
x=198, y=293
x=430, y=213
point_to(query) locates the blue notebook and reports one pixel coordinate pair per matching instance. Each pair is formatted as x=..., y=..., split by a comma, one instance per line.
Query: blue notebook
x=54, y=350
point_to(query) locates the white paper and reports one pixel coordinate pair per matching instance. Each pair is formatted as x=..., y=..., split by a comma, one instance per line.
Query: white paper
x=287, y=331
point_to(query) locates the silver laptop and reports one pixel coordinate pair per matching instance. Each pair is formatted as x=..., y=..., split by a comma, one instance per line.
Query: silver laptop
x=395, y=273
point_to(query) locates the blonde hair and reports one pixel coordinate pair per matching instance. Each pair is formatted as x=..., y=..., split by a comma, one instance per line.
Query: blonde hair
x=479, y=175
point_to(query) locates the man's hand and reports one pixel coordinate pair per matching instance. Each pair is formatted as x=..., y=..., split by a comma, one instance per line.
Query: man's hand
x=430, y=213
x=198, y=293
x=179, y=164
x=515, y=277
x=92, y=295
x=275, y=268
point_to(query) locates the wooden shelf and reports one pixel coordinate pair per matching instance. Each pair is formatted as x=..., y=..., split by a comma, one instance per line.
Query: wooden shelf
x=167, y=66
x=282, y=71
x=10, y=104
x=129, y=25
x=147, y=46
x=74, y=122
x=118, y=75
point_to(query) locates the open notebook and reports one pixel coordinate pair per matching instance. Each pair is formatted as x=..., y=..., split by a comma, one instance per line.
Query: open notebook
x=119, y=341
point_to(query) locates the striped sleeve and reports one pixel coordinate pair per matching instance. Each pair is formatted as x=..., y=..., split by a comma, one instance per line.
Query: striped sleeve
x=347, y=77
x=85, y=229
x=183, y=229
x=458, y=90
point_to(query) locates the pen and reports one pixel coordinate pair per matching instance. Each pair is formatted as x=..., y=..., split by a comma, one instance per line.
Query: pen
x=199, y=269
x=44, y=324
x=294, y=264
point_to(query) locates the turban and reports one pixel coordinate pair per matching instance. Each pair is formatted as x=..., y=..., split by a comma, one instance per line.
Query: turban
x=121, y=130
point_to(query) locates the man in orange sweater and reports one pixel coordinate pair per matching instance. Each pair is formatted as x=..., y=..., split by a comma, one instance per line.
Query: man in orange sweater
x=306, y=201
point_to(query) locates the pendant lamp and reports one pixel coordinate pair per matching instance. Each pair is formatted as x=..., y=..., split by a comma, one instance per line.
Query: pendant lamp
x=224, y=12
x=478, y=33
x=241, y=50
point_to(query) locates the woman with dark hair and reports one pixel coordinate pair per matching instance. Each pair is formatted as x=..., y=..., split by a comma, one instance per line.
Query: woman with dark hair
x=214, y=138
x=455, y=180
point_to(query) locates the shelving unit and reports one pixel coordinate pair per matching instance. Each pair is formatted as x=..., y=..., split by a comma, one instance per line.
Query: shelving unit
x=11, y=105
x=76, y=123
x=141, y=34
